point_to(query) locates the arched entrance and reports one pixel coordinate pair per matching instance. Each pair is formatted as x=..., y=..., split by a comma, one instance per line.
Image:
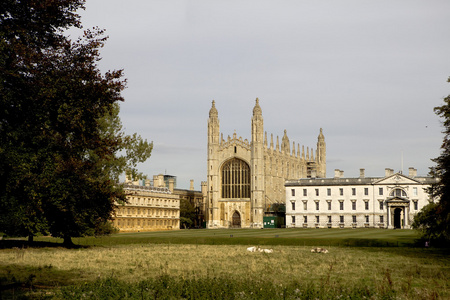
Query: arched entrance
x=398, y=218
x=236, y=220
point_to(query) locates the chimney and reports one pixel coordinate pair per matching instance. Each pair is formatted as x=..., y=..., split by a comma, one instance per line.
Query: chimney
x=147, y=182
x=313, y=173
x=204, y=188
x=412, y=172
x=192, y=185
x=361, y=173
x=388, y=172
x=171, y=184
x=338, y=173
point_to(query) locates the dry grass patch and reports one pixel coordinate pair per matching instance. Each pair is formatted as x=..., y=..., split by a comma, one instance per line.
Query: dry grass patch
x=408, y=271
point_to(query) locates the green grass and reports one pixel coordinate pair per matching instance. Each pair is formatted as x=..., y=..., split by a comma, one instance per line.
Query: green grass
x=293, y=237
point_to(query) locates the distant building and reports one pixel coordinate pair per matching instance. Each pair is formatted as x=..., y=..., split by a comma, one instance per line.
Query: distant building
x=383, y=202
x=148, y=208
x=244, y=178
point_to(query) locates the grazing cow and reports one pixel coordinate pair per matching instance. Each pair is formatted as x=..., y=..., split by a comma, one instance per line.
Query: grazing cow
x=257, y=249
x=319, y=250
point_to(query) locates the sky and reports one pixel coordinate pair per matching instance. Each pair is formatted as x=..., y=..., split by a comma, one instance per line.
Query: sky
x=368, y=72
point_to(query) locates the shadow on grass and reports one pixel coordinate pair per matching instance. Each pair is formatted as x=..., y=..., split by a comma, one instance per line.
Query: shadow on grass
x=21, y=244
x=17, y=281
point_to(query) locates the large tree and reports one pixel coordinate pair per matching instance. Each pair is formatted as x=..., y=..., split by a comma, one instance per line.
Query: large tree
x=62, y=147
x=434, y=219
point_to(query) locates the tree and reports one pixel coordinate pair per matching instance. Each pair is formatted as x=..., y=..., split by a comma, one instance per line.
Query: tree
x=62, y=147
x=434, y=219
x=187, y=214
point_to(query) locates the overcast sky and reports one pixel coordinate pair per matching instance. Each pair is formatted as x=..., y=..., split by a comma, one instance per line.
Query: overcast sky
x=368, y=72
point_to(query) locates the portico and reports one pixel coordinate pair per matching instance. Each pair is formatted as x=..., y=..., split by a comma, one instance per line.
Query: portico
x=398, y=212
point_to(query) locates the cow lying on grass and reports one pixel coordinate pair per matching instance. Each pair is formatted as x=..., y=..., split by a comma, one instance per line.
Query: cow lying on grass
x=319, y=250
x=257, y=249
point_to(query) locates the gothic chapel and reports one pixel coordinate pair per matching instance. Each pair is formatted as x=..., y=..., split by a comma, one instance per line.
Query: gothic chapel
x=246, y=178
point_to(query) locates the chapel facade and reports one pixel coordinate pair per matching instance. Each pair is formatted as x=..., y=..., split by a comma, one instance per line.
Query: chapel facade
x=245, y=178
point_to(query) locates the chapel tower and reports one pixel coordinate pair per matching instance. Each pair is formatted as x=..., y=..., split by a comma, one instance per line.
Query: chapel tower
x=245, y=178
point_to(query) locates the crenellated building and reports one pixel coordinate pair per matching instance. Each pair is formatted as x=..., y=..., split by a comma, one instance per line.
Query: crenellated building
x=246, y=177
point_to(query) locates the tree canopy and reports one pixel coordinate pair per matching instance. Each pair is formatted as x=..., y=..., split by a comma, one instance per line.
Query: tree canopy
x=62, y=147
x=434, y=219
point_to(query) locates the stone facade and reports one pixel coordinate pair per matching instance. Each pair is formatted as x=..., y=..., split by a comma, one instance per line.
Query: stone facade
x=245, y=177
x=383, y=202
x=148, y=208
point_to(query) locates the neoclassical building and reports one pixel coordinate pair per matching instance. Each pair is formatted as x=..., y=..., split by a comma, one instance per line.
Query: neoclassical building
x=150, y=207
x=246, y=177
x=382, y=202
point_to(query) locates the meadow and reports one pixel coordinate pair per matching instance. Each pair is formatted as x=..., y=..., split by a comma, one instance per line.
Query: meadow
x=214, y=264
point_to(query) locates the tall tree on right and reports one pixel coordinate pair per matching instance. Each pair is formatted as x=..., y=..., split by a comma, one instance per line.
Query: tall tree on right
x=434, y=219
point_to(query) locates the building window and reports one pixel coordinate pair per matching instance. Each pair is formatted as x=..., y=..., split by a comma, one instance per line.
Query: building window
x=317, y=205
x=341, y=205
x=354, y=219
x=353, y=191
x=341, y=219
x=353, y=205
x=235, y=179
x=305, y=219
x=317, y=219
x=341, y=191
x=380, y=191
x=329, y=219
x=414, y=191
x=367, y=219
x=415, y=205
x=366, y=205
x=398, y=193
x=293, y=219
x=381, y=219
x=293, y=205
x=317, y=192
x=305, y=192
x=366, y=191
x=293, y=192
x=305, y=205
x=328, y=192
x=381, y=205
x=329, y=205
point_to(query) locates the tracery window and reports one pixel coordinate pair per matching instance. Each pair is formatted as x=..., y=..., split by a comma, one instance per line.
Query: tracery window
x=235, y=179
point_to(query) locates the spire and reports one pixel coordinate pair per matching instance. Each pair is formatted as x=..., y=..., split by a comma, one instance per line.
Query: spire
x=265, y=139
x=312, y=154
x=303, y=152
x=257, y=109
x=321, y=136
x=213, y=111
x=298, y=150
x=293, y=148
x=271, y=141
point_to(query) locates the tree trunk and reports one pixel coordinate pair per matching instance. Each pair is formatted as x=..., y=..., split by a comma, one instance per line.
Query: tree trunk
x=30, y=238
x=68, y=241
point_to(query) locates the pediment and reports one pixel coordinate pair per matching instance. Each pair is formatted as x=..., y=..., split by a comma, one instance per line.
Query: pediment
x=397, y=179
x=397, y=200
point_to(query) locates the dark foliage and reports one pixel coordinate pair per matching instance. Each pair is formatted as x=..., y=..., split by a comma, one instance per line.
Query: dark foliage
x=434, y=219
x=59, y=159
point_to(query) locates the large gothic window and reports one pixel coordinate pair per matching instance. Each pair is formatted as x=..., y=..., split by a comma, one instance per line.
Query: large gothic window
x=235, y=179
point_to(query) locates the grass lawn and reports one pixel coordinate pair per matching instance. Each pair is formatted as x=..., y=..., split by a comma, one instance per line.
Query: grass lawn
x=293, y=236
x=214, y=264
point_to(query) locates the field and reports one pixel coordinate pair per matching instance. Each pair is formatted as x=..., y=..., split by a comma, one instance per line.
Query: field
x=212, y=264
